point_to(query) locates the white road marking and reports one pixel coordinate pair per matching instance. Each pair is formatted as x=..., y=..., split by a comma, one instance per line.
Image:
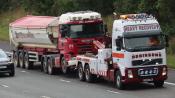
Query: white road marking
x=64, y=80
x=6, y=86
x=113, y=92
x=169, y=83
x=45, y=97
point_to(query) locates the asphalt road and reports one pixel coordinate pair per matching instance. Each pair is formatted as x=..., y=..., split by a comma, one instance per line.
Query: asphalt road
x=35, y=84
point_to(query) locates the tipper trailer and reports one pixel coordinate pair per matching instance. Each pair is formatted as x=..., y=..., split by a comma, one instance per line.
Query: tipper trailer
x=56, y=41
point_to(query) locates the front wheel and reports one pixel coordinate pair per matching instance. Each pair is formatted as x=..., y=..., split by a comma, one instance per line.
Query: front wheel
x=118, y=81
x=158, y=83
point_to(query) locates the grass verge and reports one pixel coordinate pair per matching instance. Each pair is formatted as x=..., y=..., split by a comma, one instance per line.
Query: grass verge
x=6, y=18
x=171, y=61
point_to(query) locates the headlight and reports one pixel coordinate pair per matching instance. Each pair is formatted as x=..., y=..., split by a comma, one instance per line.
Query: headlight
x=164, y=71
x=130, y=75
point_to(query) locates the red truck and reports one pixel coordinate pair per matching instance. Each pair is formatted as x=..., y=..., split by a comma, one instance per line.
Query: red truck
x=55, y=41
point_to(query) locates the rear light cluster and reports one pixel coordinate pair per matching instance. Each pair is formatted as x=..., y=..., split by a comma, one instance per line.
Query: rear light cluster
x=147, y=55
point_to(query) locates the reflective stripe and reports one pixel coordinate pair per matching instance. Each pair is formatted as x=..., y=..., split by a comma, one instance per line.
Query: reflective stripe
x=118, y=55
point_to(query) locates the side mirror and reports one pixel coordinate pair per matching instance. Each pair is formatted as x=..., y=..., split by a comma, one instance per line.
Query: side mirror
x=63, y=34
x=63, y=30
x=167, y=40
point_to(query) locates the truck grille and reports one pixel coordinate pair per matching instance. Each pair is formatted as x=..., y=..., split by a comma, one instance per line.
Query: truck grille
x=147, y=62
x=85, y=49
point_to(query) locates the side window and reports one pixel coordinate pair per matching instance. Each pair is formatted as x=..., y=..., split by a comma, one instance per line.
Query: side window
x=119, y=43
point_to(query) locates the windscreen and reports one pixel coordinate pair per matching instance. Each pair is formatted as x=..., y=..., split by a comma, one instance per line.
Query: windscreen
x=144, y=42
x=86, y=30
x=3, y=54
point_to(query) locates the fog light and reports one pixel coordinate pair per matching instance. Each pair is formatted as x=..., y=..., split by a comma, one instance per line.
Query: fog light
x=164, y=72
x=130, y=75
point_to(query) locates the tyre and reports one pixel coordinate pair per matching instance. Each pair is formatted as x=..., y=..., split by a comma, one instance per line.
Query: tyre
x=45, y=67
x=16, y=59
x=21, y=59
x=42, y=64
x=27, y=63
x=81, y=73
x=12, y=71
x=88, y=76
x=118, y=80
x=64, y=67
x=158, y=83
x=51, y=69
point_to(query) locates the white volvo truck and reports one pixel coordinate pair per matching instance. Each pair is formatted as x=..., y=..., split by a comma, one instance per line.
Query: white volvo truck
x=138, y=54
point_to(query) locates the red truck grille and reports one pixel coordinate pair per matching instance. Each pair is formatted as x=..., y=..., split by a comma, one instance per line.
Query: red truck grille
x=85, y=49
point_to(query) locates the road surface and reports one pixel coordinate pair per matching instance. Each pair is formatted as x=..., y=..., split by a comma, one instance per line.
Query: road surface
x=35, y=84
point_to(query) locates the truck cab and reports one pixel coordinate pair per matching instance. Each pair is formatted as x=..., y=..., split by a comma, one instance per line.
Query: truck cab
x=77, y=31
x=138, y=49
x=138, y=54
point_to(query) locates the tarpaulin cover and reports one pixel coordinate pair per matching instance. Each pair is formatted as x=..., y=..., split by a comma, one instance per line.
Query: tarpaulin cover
x=33, y=22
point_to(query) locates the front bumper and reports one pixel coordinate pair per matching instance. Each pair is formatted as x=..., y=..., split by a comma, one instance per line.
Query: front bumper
x=6, y=68
x=137, y=78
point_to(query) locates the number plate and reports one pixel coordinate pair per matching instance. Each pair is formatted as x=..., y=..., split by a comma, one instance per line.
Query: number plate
x=148, y=72
x=147, y=80
x=2, y=67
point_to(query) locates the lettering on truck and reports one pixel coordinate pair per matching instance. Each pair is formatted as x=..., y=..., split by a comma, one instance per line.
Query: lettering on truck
x=144, y=27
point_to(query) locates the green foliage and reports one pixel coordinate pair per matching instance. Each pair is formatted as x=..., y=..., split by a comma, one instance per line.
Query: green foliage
x=163, y=10
x=171, y=61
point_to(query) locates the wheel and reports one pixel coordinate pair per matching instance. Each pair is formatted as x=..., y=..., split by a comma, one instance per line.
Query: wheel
x=12, y=71
x=21, y=59
x=81, y=73
x=88, y=76
x=16, y=59
x=158, y=83
x=42, y=64
x=51, y=69
x=45, y=69
x=118, y=80
x=64, y=67
x=27, y=63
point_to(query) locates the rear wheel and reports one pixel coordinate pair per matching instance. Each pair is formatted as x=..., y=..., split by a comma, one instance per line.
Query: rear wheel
x=16, y=59
x=21, y=59
x=27, y=63
x=88, y=75
x=45, y=67
x=64, y=66
x=118, y=81
x=158, y=83
x=81, y=73
x=51, y=69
